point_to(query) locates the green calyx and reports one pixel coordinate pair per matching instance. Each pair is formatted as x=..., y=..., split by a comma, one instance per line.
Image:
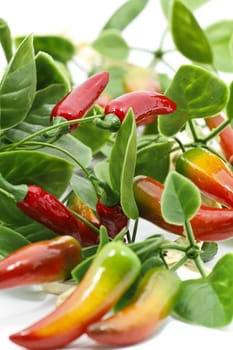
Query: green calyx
x=110, y=122
x=108, y=197
x=16, y=192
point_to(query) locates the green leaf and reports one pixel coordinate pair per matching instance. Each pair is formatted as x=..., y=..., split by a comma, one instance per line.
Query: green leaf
x=103, y=237
x=220, y=36
x=229, y=106
x=188, y=36
x=153, y=160
x=50, y=72
x=35, y=231
x=197, y=93
x=84, y=189
x=6, y=40
x=125, y=14
x=49, y=172
x=10, y=240
x=112, y=45
x=69, y=148
x=18, y=85
x=215, y=290
x=122, y=165
x=208, y=251
x=101, y=170
x=60, y=48
x=31, y=167
x=39, y=114
x=180, y=199
x=191, y=5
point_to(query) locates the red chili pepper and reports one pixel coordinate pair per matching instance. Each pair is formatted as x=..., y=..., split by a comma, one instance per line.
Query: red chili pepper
x=78, y=102
x=44, y=208
x=154, y=300
x=89, y=235
x=146, y=105
x=209, y=224
x=39, y=262
x=112, y=217
x=225, y=136
x=210, y=173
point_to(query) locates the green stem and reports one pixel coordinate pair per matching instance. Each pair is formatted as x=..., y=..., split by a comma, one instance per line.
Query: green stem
x=150, y=246
x=168, y=65
x=199, y=265
x=216, y=131
x=180, y=263
x=88, y=223
x=135, y=228
x=189, y=233
x=197, y=260
x=52, y=127
x=142, y=50
x=193, y=131
x=174, y=246
x=7, y=194
x=181, y=146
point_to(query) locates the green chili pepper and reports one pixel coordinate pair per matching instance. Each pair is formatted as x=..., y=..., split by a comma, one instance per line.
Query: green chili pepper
x=112, y=272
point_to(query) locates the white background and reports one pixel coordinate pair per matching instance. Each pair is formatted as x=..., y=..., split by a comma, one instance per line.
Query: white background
x=82, y=20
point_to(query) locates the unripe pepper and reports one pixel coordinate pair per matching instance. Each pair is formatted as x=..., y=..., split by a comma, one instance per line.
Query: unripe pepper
x=154, y=300
x=146, y=105
x=225, y=136
x=112, y=272
x=112, y=217
x=209, y=223
x=89, y=236
x=208, y=172
x=79, y=101
x=43, y=207
x=39, y=262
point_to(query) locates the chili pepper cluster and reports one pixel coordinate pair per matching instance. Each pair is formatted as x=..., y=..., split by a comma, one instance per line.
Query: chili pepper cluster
x=81, y=164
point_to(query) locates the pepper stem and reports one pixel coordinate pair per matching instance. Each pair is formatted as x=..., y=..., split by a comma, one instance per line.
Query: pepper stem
x=193, y=251
x=110, y=122
x=16, y=192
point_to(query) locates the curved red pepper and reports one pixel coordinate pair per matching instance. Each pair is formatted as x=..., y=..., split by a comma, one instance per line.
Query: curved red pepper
x=89, y=235
x=155, y=298
x=112, y=217
x=225, y=136
x=146, y=105
x=49, y=211
x=209, y=224
x=40, y=262
x=78, y=102
x=43, y=207
x=210, y=173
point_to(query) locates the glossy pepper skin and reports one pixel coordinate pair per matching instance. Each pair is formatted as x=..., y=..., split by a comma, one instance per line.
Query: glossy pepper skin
x=39, y=262
x=209, y=173
x=79, y=101
x=154, y=300
x=209, y=224
x=89, y=236
x=113, y=270
x=225, y=136
x=112, y=217
x=146, y=105
x=42, y=207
